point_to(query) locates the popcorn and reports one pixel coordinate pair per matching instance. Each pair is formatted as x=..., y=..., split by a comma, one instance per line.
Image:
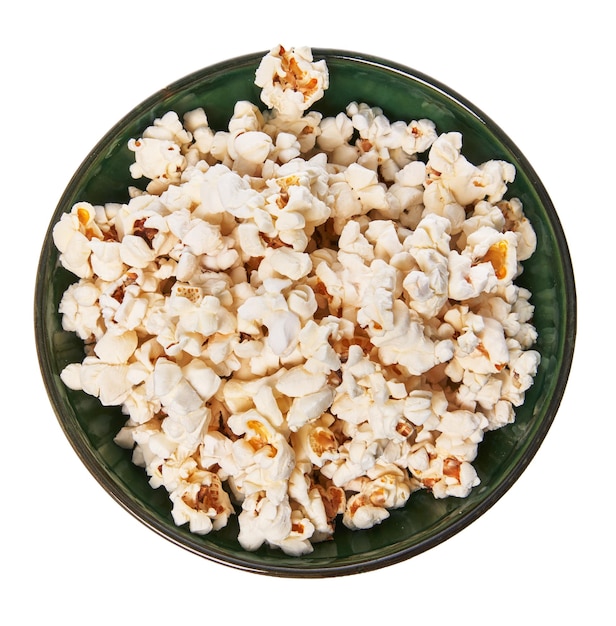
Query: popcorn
x=299, y=381
x=107, y=381
x=420, y=135
x=305, y=319
x=262, y=521
x=291, y=81
x=407, y=343
x=319, y=504
x=265, y=460
x=270, y=309
x=385, y=488
x=289, y=263
x=336, y=132
x=466, y=280
x=80, y=311
x=201, y=502
x=446, y=476
x=249, y=149
x=167, y=383
x=158, y=153
x=116, y=345
x=365, y=184
x=308, y=407
x=427, y=286
x=71, y=236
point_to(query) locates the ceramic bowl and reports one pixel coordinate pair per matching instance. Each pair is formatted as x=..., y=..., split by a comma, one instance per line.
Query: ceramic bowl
x=403, y=94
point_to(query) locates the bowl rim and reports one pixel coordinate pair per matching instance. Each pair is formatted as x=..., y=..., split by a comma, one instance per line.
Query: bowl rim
x=80, y=445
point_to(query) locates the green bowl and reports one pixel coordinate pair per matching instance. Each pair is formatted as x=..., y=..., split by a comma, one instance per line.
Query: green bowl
x=424, y=522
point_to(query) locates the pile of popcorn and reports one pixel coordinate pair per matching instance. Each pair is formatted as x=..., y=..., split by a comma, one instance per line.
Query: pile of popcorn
x=304, y=318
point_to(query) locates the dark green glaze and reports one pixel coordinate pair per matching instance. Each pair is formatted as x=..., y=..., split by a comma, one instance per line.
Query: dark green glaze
x=402, y=94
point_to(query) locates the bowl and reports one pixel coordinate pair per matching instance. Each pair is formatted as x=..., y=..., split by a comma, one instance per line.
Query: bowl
x=425, y=522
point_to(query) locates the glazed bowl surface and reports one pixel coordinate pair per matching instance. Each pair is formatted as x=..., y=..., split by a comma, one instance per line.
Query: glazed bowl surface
x=403, y=94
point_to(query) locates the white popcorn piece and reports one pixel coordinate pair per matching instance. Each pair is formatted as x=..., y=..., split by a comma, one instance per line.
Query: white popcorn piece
x=250, y=241
x=306, y=128
x=297, y=542
x=519, y=377
x=249, y=150
x=108, y=382
x=263, y=521
x=365, y=184
x=135, y=252
x=80, y=310
x=270, y=308
x=407, y=344
x=321, y=504
x=175, y=393
x=216, y=451
x=302, y=301
x=246, y=118
x=353, y=241
x=478, y=389
x=380, y=141
x=196, y=123
x=152, y=450
x=458, y=427
x=186, y=427
x=202, y=238
x=314, y=344
x=106, y=260
x=223, y=190
x=291, y=80
x=501, y=414
x=443, y=475
x=266, y=403
x=385, y=488
x=363, y=116
x=420, y=135
x=418, y=406
x=289, y=263
x=308, y=407
x=270, y=455
x=298, y=382
x=315, y=441
x=200, y=316
x=336, y=132
x=286, y=148
x=158, y=153
x=467, y=280
x=72, y=235
x=361, y=514
x=201, y=502
x=202, y=378
x=488, y=352
x=439, y=199
x=377, y=299
x=487, y=245
x=293, y=199
x=458, y=180
x=116, y=345
x=427, y=286
x=138, y=406
x=518, y=223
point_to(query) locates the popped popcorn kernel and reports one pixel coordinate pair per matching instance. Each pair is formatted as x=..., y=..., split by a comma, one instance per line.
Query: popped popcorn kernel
x=291, y=80
x=305, y=319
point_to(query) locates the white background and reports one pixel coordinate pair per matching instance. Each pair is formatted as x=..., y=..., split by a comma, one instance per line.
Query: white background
x=70, y=71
